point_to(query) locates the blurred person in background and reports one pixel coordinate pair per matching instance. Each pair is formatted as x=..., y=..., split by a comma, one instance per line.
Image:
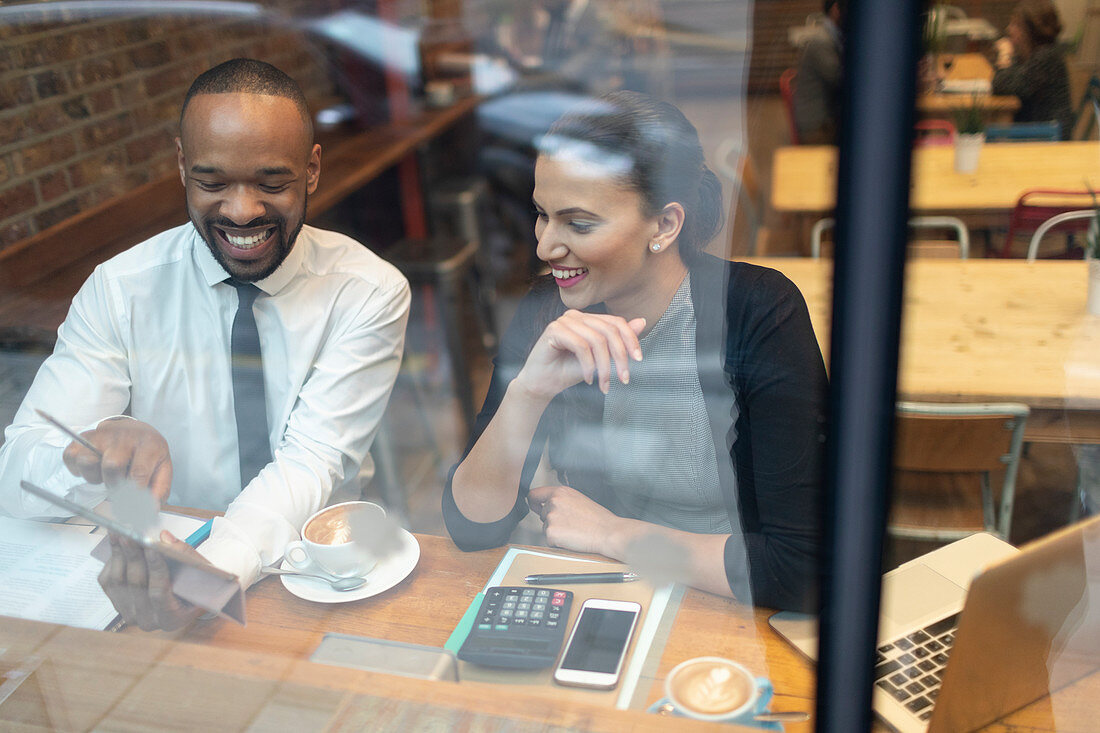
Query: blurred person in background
x=817, y=82
x=1030, y=65
x=556, y=51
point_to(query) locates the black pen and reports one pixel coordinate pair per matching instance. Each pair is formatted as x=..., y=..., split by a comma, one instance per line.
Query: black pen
x=550, y=578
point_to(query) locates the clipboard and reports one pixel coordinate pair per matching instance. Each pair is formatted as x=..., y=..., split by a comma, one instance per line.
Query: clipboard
x=195, y=581
x=659, y=606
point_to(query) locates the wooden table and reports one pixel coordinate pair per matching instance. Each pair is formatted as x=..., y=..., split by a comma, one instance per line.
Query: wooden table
x=426, y=607
x=804, y=177
x=804, y=180
x=218, y=675
x=239, y=670
x=942, y=106
x=966, y=67
x=988, y=331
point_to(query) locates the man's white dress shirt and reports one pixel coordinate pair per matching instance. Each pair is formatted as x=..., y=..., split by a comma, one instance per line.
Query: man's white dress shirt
x=148, y=335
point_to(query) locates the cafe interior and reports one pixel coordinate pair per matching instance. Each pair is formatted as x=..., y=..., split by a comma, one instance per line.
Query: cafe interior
x=945, y=241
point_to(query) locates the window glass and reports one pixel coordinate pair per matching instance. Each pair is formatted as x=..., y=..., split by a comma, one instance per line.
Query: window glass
x=997, y=340
x=257, y=396
x=371, y=304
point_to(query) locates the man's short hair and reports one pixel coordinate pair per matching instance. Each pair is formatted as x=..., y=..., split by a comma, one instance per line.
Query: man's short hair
x=248, y=76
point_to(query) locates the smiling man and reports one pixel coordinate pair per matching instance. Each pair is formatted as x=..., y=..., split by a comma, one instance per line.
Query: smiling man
x=240, y=362
x=231, y=142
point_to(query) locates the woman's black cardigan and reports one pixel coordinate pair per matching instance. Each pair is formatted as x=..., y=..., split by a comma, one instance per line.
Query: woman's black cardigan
x=755, y=345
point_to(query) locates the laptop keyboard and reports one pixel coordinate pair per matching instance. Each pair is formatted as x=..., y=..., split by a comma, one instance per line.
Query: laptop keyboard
x=910, y=668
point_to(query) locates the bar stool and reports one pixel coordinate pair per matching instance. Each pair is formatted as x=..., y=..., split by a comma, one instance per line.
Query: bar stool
x=458, y=210
x=446, y=264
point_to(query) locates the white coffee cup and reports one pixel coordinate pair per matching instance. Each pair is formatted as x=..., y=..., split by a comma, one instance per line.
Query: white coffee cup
x=716, y=689
x=327, y=545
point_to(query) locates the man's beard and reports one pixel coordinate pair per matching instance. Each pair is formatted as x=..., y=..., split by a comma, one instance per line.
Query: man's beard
x=240, y=271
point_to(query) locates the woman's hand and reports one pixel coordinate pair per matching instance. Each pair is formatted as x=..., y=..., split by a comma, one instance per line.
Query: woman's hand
x=581, y=346
x=572, y=521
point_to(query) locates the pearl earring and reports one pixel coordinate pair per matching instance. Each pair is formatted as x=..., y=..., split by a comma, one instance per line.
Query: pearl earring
x=656, y=246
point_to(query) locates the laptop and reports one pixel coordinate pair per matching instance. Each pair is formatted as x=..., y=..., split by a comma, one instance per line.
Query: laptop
x=977, y=629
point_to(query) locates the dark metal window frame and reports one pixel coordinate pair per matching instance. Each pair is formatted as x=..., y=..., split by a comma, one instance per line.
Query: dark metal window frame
x=873, y=172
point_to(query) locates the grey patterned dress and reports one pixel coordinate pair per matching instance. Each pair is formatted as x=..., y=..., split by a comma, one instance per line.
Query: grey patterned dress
x=660, y=457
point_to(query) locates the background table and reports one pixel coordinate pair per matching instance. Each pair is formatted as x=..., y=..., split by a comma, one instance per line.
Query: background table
x=966, y=67
x=988, y=331
x=804, y=177
x=804, y=180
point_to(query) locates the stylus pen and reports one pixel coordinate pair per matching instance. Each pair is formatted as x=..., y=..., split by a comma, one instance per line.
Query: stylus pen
x=549, y=578
x=70, y=432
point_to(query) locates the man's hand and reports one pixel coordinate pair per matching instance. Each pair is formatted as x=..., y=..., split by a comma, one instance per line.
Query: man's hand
x=133, y=452
x=139, y=585
x=572, y=521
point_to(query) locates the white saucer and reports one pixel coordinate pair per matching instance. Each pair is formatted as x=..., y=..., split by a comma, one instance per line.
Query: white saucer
x=389, y=571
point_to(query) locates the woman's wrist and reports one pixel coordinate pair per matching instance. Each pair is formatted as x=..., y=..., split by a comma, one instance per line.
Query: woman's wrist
x=620, y=536
x=521, y=390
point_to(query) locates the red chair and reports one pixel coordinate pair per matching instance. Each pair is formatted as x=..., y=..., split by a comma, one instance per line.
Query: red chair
x=1036, y=206
x=930, y=133
x=786, y=89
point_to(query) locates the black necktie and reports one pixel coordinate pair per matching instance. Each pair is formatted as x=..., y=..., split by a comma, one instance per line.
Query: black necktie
x=249, y=404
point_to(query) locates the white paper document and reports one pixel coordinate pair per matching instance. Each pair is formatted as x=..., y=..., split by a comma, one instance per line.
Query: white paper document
x=47, y=574
x=180, y=525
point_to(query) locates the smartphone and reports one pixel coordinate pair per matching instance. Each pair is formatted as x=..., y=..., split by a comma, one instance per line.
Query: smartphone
x=597, y=645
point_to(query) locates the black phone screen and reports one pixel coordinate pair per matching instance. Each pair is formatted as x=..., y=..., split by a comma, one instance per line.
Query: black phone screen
x=599, y=640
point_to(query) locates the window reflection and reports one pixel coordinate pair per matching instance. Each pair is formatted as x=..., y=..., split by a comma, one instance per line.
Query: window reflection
x=432, y=117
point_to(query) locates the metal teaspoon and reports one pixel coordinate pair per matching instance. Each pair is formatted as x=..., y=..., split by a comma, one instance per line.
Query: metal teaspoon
x=339, y=584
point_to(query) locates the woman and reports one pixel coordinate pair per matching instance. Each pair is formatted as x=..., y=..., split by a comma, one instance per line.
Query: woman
x=1030, y=66
x=679, y=396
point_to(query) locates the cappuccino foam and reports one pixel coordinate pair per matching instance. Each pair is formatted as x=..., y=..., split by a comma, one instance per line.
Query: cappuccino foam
x=711, y=688
x=330, y=528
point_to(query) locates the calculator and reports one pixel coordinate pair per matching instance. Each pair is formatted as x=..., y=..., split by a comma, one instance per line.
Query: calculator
x=518, y=627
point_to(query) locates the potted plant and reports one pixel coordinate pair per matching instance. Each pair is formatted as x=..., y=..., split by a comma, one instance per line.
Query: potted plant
x=934, y=39
x=935, y=29
x=969, y=135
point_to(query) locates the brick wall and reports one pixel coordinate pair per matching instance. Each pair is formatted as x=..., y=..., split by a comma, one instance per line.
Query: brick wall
x=88, y=106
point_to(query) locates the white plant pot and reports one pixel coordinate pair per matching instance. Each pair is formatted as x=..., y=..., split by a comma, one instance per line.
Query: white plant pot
x=1092, y=303
x=967, y=149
